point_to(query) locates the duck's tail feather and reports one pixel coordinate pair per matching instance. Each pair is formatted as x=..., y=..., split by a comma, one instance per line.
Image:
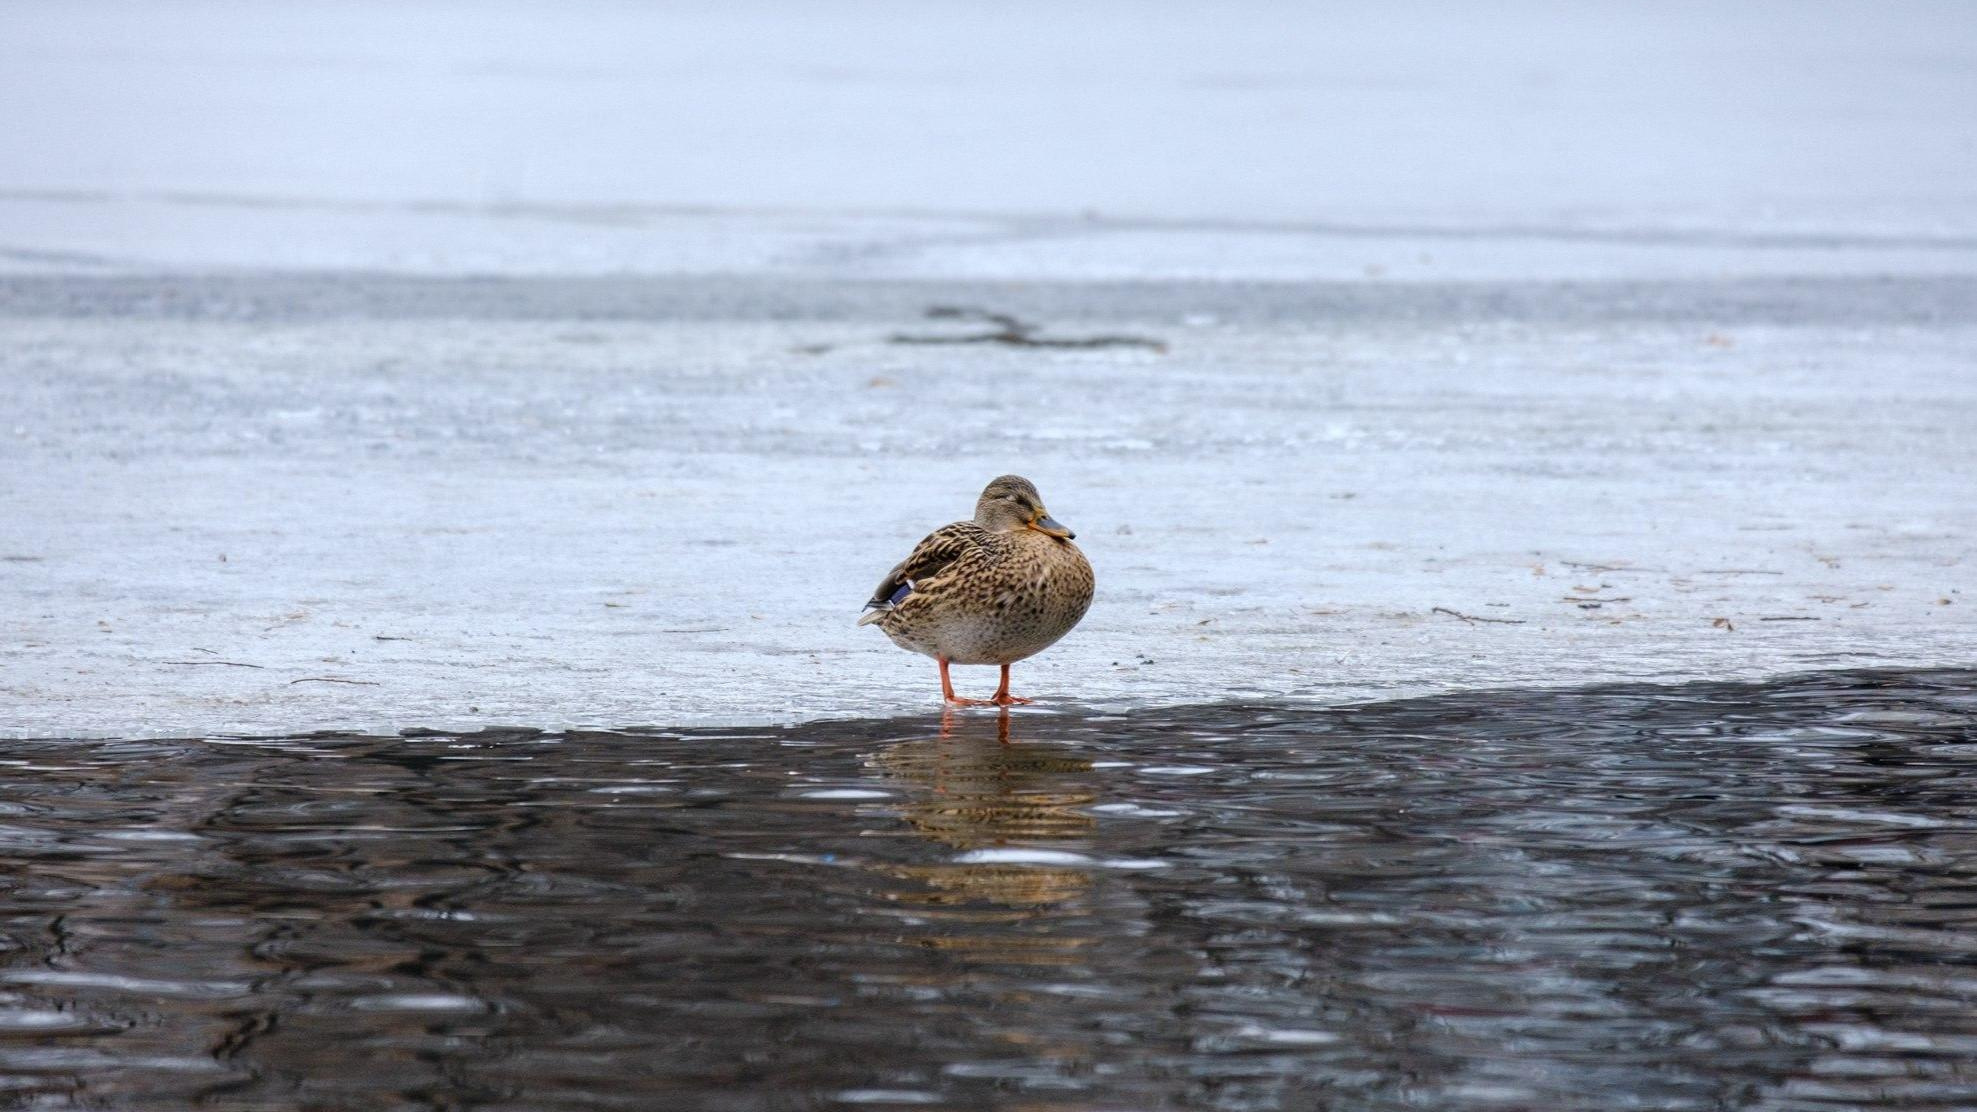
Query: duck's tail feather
x=880, y=607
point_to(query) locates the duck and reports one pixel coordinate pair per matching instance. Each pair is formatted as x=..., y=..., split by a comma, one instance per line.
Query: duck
x=995, y=590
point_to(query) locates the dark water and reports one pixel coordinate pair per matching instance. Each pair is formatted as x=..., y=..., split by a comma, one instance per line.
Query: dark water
x=1712, y=896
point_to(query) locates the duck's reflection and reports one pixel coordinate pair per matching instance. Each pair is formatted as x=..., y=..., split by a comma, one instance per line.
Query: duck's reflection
x=977, y=788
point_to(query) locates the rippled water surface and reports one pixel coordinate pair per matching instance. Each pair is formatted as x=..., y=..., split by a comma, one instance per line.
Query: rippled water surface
x=1716, y=896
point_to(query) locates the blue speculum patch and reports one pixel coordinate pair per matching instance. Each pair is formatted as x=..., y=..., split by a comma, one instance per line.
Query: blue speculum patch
x=904, y=590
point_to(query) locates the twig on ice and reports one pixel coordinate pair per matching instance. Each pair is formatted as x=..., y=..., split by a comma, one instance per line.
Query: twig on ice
x=1474, y=618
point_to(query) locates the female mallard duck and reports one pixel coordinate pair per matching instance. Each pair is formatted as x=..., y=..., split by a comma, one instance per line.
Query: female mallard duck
x=994, y=590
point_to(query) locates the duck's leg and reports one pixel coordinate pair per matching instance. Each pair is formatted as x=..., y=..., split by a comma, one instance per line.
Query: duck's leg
x=947, y=689
x=1002, y=696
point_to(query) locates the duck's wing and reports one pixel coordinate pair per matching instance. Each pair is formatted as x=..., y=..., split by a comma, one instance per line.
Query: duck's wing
x=935, y=553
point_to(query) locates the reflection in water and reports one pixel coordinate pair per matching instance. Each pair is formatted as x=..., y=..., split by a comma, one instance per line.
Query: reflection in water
x=1704, y=897
x=976, y=787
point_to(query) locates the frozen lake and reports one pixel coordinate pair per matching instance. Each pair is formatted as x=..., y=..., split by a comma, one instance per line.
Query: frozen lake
x=1526, y=452
x=246, y=504
x=1537, y=114
x=371, y=367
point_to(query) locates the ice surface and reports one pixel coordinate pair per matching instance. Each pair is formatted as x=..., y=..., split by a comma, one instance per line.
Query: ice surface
x=448, y=520
x=1537, y=112
x=374, y=366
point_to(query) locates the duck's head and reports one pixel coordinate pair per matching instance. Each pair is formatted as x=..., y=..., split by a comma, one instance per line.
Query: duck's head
x=1011, y=503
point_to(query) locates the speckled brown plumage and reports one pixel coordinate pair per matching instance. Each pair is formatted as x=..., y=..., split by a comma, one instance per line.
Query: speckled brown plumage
x=994, y=590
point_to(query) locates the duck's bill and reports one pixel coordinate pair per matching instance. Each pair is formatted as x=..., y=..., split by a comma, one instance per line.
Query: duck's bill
x=1048, y=524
